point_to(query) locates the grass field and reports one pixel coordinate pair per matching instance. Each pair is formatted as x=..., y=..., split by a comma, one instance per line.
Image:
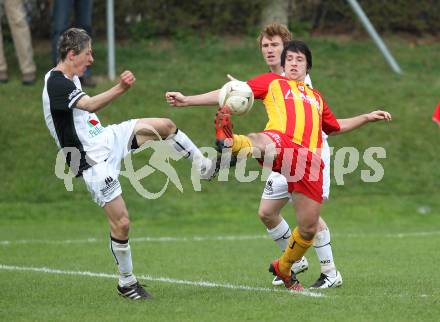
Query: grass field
x=204, y=255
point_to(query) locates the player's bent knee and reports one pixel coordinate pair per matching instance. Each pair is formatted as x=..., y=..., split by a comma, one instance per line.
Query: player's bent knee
x=168, y=127
x=269, y=218
x=123, y=225
x=308, y=232
x=264, y=216
x=155, y=128
x=260, y=142
x=165, y=127
x=255, y=139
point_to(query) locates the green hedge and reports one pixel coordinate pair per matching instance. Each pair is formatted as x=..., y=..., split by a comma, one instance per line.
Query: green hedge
x=416, y=17
x=150, y=18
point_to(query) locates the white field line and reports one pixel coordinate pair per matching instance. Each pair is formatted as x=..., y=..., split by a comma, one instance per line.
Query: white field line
x=137, y=239
x=206, y=238
x=158, y=279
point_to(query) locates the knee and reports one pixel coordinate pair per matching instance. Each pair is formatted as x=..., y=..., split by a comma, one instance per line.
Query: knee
x=267, y=217
x=259, y=142
x=153, y=128
x=263, y=215
x=254, y=139
x=253, y=136
x=166, y=127
x=308, y=232
x=122, y=225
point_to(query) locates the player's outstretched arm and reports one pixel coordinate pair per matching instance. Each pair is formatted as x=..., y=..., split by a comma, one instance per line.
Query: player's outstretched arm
x=177, y=99
x=347, y=125
x=97, y=102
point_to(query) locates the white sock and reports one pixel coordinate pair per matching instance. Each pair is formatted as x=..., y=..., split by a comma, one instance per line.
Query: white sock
x=183, y=145
x=122, y=253
x=281, y=234
x=324, y=251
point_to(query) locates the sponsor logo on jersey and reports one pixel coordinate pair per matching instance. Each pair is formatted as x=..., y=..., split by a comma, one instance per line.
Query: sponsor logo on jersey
x=110, y=186
x=268, y=189
x=74, y=93
x=95, y=126
x=301, y=96
x=93, y=123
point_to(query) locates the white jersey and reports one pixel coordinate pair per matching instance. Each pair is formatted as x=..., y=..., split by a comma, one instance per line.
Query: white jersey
x=69, y=126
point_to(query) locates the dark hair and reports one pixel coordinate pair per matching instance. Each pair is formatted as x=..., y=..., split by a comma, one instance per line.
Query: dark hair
x=72, y=39
x=297, y=46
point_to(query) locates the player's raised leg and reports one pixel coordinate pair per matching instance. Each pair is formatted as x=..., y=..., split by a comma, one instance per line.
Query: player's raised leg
x=244, y=144
x=148, y=129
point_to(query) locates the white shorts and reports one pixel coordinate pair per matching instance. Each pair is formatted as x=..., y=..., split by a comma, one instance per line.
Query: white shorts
x=102, y=178
x=276, y=184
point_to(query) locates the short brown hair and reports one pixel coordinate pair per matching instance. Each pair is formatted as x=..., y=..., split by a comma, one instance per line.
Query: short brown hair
x=275, y=29
x=72, y=39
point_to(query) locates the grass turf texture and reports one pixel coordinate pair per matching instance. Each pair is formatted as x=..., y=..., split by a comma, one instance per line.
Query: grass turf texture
x=386, y=277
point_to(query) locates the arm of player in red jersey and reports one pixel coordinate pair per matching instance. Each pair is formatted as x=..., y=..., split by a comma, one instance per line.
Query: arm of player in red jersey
x=333, y=126
x=355, y=122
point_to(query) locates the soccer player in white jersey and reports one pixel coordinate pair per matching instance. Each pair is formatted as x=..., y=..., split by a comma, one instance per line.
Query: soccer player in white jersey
x=94, y=152
x=275, y=195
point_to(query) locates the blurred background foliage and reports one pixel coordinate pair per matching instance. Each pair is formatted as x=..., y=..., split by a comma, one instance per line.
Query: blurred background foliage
x=177, y=18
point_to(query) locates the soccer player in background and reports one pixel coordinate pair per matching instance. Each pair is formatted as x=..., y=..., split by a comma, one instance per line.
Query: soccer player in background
x=94, y=152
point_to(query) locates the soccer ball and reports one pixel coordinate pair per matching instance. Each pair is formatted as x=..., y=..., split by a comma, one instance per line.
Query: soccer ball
x=238, y=96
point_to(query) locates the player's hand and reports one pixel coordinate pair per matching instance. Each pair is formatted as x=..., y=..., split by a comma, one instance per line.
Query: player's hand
x=231, y=78
x=176, y=99
x=127, y=79
x=379, y=115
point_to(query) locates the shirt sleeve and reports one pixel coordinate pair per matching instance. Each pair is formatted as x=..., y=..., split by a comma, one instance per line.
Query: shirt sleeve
x=329, y=122
x=260, y=84
x=63, y=93
x=308, y=81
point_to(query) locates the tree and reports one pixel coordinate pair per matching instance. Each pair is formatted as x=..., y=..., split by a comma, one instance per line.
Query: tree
x=276, y=11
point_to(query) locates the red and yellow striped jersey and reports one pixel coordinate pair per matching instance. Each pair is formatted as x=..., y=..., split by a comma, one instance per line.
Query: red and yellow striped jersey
x=294, y=109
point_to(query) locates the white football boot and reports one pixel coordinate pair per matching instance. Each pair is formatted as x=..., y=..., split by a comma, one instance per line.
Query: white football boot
x=298, y=267
x=326, y=281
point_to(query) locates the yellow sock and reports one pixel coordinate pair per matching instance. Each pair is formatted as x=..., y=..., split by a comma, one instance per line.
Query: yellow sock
x=241, y=142
x=294, y=251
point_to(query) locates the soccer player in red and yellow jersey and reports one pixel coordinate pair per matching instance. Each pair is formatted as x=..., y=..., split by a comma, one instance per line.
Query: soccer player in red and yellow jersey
x=297, y=115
